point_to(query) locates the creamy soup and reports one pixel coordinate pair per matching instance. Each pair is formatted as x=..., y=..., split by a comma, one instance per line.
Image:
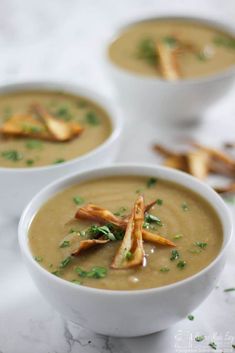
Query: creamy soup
x=190, y=48
x=30, y=151
x=179, y=216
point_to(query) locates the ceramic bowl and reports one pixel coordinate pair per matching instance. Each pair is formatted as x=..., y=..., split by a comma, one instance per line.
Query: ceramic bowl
x=146, y=97
x=126, y=313
x=18, y=185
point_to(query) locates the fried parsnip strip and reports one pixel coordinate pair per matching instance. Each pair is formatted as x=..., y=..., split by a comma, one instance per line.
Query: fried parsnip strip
x=60, y=130
x=165, y=152
x=169, y=65
x=24, y=125
x=217, y=155
x=198, y=163
x=101, y=215
x=131, y=252
x=155, y=238
x=87, y=244
x=225, y=189
x=177, y=162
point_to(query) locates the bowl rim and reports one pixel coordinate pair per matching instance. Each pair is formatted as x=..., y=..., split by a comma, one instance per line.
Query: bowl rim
x=211, y=22
x=113, y=113
x=126, y=169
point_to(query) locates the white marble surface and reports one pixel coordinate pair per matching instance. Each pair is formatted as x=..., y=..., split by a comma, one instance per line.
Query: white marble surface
x=59, y=39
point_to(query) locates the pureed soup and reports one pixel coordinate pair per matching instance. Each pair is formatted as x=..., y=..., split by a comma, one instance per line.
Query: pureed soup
x=39, y=128
x=173, y=49
x=125, y=233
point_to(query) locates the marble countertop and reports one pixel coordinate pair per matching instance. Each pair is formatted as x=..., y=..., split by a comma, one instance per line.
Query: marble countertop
x=63, y=40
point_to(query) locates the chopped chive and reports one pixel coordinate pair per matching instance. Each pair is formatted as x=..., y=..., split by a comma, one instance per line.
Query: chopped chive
x=38, y=258
x=146, y=51
x=58, y=161
x=181, y=264
x=191, y=317
x=151, y=182
x=65, y=244
x=199, y=338
x=213, y=345
x=174, y=255
x=78, y=200
x=12, y=155
x=95, y=231
x=56, y=273
x=64, y=113
x=232, y=289
x=164, y=269
x=65, y=262
x=95, y=272
x=92, y=119
x=149, y=218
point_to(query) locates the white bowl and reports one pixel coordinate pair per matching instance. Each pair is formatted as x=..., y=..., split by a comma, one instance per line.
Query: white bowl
x=126, y=313
x=160, y=100
x=19, y=185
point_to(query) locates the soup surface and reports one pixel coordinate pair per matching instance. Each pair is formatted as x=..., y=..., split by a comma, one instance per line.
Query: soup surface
x=20, y=152
x=197, y=49
x=179, y=215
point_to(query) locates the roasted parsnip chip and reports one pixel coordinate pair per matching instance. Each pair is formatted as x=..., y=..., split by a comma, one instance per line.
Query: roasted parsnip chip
x=87, y=244
x=24, y=125
x=217, y=155
x=131, y=252
x=60, y=130
x=177, y=162
x=198, y=163
x=169, y=65
x=156, y=239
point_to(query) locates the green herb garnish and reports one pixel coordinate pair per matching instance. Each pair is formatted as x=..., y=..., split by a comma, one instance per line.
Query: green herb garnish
x=92, y=118
x=59, y=160
x=128, y=255
x=65, y=262
x=12, y=155
x=181, y=264
x=177, y=236
x=81, y=103
x=170, y=41
x=147, y=51
x=34, y=129
x=95, y=272
x=201, y=244
x=95, y=231
x=191, y=317
x=232, y=289
x=30, y=162
x=159, y=202
x=65, y=244
x=78, y=200
x=33, y=144
x=38, y=258
x=56, y=273
x=164, y=269
x=201, y=56
x=199, y=338
x=184, y=207
x=225, y=42
x=151, y=182
x=63, y=113
x=149, y=218
x=212, y=345
x=174, y=255
x=233, y=346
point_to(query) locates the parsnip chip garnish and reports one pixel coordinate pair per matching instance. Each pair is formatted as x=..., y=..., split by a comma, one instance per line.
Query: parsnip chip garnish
x=131, y=252
x=217, y=155
x=168, y=62
x=198, y=163
x=156, y=239
x=60, y=130
x=87, y=244
x=26, y=126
